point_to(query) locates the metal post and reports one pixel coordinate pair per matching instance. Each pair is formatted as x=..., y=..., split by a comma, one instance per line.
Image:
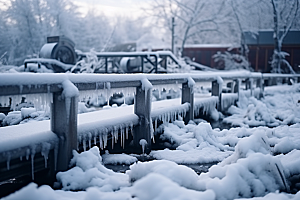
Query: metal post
x=106, y=65
x=249, y=85
x=259, y=84
x=216, y=90
x=156, y=63
x=142, y=108
x=65, y=126
x=187, y=96
x=237, y=86
x=142, y=64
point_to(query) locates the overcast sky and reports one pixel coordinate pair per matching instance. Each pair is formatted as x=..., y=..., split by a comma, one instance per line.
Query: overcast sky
x=113, y=7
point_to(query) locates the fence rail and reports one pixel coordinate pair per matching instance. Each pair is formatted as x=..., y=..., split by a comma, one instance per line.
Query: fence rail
x=64, y=92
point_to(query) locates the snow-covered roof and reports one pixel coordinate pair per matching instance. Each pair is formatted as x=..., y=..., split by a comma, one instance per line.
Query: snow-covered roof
x=210, y=46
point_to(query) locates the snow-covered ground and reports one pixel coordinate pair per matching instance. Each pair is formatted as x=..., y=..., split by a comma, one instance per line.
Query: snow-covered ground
x=258, y=159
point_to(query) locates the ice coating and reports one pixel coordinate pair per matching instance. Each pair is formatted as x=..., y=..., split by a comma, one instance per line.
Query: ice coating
x=69, y=91
x=101, y=123
x=206, y=104
x=191, y=82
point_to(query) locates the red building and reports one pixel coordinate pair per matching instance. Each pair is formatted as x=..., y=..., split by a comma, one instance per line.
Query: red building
x=261, y=49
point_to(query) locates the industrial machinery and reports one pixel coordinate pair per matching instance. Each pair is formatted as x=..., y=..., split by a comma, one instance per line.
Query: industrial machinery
x=59, y=55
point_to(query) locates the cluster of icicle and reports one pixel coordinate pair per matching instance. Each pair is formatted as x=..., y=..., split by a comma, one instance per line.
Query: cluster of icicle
x=102, y=134
x=107, y=92
x=170, y=115
x=229, y=99
x=29, y=152
x=206, y=104
x=40, y=101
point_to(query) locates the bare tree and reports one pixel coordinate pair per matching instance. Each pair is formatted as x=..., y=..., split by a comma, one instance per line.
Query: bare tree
x=285, y=14
x=192, y=17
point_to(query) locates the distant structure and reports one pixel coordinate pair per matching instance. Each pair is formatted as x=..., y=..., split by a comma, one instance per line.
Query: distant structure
x=261, y=47
x=203, y=53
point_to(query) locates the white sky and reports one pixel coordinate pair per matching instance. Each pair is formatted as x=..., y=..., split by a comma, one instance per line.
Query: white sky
x=113, y=7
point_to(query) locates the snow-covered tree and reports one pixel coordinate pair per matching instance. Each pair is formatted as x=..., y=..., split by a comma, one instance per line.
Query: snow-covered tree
x=285, y=14
x=28, y=22
x=192, y=17
x=232, y=61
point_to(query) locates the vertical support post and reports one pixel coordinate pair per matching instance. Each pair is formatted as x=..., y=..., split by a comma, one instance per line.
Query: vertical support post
x=64, y=125
x=237, y=84
x=249, y=85
x=142, y=64
x=142, y=108
x=187, y=96
x=156, y=63
x=216, y=90
x=259, y=84
x=106, y=65
x=236, y=89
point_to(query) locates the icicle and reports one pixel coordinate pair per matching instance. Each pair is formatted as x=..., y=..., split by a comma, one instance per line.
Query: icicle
x=84, y=144
x=116, y=133
x=123, y=137
x=45, y=151
x=95, y=140
x=155, y=124
x=21, y=158
x=79, y=140
x=90, y=139
x=107, y=87
x=33, y=148
x=100, y=141
x=105, y=138
x=152, y=130
x=126, y=132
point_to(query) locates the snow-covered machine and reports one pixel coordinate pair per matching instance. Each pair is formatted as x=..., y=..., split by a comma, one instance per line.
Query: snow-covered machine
x=60, y=48
x=58, y=55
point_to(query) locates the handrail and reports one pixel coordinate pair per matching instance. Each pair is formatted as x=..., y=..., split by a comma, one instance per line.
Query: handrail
x=64, y=115
x=28, y=83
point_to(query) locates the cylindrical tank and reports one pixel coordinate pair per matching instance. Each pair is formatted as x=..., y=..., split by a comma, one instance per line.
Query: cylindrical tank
x=129, y=64
x=60, y=48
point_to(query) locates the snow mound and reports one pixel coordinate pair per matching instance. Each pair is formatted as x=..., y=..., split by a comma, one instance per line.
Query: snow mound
x=156, y=186
x=118, y=159
x=89, y=171
x=193, y=143
x=277, y=109
x=179, y=174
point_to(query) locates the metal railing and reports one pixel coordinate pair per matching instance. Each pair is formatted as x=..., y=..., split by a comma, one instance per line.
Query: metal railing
x=64, y=115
